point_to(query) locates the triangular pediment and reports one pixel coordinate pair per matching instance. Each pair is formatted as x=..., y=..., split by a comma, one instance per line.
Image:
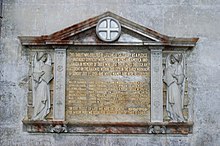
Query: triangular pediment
x=130, y=31
x=85, y=33
x=127, y=36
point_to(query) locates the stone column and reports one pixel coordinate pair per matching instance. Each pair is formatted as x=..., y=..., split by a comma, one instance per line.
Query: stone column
x=156, y=84
x=59, y=83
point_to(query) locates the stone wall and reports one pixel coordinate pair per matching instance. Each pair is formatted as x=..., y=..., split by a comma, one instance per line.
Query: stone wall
x=180, y=18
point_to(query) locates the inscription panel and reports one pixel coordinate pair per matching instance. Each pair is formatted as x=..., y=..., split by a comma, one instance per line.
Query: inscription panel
x=108, y=85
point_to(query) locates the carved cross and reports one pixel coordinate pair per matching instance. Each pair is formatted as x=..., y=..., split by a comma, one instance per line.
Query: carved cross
x=108, y=25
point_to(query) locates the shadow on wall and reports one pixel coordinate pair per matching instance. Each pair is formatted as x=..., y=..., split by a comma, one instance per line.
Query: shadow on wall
x=1, y=1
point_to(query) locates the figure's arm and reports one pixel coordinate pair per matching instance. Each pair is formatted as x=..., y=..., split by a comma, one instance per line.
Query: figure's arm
x=167, y=78
x=180, y=76
x=37, y=76
x=48, y=76
x=180, y=79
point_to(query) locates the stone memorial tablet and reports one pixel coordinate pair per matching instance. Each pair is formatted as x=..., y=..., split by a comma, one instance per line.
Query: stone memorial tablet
x=108, y=75
x=108, y=84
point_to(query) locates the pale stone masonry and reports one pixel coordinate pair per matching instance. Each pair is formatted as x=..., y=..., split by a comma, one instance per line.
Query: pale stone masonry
x=174, y=18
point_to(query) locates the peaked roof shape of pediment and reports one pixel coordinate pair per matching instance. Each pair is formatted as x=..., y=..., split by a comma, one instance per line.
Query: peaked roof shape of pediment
x=66, y=36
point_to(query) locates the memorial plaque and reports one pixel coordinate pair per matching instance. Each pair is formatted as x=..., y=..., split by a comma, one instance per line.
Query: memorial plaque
x=108, y=84
x=108, y=75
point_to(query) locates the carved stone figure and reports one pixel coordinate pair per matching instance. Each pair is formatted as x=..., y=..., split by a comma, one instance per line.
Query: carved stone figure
x=157, y=129
x=174, y=77
x=58, y=128
x=41, y=77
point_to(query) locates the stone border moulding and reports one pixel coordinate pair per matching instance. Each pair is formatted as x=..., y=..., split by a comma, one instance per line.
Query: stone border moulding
x=155, y=42
x=108, y=128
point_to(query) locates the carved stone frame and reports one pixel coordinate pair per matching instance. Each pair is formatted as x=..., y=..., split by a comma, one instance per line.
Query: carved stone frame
x=159, y=44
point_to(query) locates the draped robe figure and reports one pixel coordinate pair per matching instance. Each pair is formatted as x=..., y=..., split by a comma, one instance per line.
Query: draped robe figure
x=175, y=80
x=42, y=75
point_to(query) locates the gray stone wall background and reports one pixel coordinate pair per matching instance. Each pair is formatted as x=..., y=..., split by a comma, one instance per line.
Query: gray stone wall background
x=180, y=18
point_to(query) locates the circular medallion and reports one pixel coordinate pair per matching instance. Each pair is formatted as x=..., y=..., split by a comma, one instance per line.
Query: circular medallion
x=60, y=68
x=108, y=29
x=156, y=103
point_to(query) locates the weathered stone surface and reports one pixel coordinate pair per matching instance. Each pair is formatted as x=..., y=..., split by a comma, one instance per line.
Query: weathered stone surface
x=177, y=18
x=109, y=85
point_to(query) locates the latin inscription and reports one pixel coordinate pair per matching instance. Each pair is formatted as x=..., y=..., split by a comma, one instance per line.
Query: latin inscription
x=108, y=82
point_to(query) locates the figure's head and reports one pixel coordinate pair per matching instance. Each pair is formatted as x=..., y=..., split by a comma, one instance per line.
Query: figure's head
x=42, y=56
x=174, y=58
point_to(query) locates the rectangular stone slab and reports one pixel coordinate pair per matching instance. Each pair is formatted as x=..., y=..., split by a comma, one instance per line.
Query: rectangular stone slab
x=108, y=84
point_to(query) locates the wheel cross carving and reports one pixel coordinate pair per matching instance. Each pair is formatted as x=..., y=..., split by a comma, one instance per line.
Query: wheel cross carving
x=108, y=29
